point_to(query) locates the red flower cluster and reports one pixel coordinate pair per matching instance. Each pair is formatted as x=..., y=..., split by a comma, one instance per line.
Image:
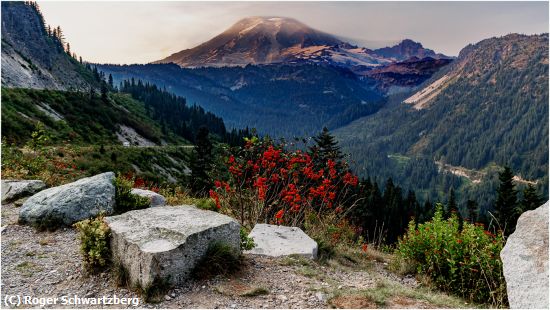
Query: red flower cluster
x=283, y=180
x=216, y=198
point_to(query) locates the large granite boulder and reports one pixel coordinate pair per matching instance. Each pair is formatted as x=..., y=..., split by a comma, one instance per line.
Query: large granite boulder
x=155, y=199
x=167, y=242
x=525, y=261
x=15, y=189
x=70, y=203
x=273, y=240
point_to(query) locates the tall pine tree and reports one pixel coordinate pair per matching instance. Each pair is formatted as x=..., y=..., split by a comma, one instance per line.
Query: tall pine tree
x=471, y=206
x=506, y=203
x=530, y=200
x=325, y=148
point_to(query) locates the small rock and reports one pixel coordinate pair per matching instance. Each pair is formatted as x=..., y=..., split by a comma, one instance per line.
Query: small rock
x=167, y=298
x=320, y=296
x=155, y=199
x=283, y=298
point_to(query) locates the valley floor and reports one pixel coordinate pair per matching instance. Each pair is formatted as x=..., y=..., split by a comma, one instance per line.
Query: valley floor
x=48, y=264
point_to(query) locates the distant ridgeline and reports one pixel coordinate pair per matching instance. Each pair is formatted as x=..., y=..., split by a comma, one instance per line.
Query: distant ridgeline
x=279, y=100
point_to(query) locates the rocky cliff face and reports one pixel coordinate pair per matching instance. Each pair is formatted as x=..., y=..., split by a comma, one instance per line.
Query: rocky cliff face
x=31, y=58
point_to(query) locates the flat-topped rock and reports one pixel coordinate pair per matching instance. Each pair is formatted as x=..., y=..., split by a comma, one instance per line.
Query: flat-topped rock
x=167, y=242
x=70, y=203
x=155, y=199
x=15, y=189
x=525, y=261
x=273, y=240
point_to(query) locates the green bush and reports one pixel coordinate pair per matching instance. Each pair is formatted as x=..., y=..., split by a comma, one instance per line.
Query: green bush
x=247, y=243
x=94, y=242
x=126, y=201
x=465, y=262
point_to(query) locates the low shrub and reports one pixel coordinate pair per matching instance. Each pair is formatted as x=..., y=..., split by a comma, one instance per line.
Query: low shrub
x=220, y=259
x=124, y=199
x=247, y=243
x=465, y=262
x=94, y=237
x=206, y=204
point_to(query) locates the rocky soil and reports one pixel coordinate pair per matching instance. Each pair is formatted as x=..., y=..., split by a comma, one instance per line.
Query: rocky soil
x=48, y=264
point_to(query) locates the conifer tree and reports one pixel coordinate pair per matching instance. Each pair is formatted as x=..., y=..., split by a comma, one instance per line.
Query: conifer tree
x=325, y=148
x=201, y=163
x=471, y=206
x=110, y=81
x=506, y=202
x=530, y=200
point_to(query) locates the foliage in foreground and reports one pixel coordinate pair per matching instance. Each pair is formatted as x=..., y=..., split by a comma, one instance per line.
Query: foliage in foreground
x=94, y=237
x=463, y=261
x=247, y=243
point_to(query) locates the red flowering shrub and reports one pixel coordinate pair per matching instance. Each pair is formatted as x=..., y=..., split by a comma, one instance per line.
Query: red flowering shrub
x=269, y=184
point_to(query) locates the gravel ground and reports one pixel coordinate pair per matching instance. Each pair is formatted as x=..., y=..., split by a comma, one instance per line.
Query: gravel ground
x=48, y=264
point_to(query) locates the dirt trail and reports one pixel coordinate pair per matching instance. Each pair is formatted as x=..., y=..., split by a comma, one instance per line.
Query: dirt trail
x=48, y=264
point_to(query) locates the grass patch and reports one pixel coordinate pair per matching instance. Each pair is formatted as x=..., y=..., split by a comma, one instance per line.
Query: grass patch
x=27, y=268
x=308, y=271
x=220, y=259
x=44, y=241
x=257, y=291
x=295, y=260
x=391, y=294
x=121, y=274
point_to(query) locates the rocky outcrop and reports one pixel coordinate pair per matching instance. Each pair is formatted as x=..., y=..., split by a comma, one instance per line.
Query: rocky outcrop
x=70, y=203
x=525, y=261
x=31, y=58
x=273, y=240
x=155, y=199
x=15, y=189
x=167, y=242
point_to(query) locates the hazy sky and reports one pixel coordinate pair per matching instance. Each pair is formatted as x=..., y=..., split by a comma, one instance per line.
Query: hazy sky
x=140, y=32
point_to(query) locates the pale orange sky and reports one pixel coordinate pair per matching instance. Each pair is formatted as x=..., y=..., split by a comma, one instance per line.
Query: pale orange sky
x=141, y=32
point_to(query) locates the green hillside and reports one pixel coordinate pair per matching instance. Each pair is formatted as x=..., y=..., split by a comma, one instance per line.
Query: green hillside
x=491, y=110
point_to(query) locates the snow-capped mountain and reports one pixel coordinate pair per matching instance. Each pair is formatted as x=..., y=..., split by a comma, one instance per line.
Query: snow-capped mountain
x=267, y=40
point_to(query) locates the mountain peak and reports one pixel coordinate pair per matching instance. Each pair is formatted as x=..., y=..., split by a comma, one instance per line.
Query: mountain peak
x=253, y=40
x=406, y=49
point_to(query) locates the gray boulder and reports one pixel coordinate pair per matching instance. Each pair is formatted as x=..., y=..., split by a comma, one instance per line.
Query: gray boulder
x=15, y=189
x=155, y=199
x=525, y=261
x=167, y=242
x=273, y=240
x=70, y=203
